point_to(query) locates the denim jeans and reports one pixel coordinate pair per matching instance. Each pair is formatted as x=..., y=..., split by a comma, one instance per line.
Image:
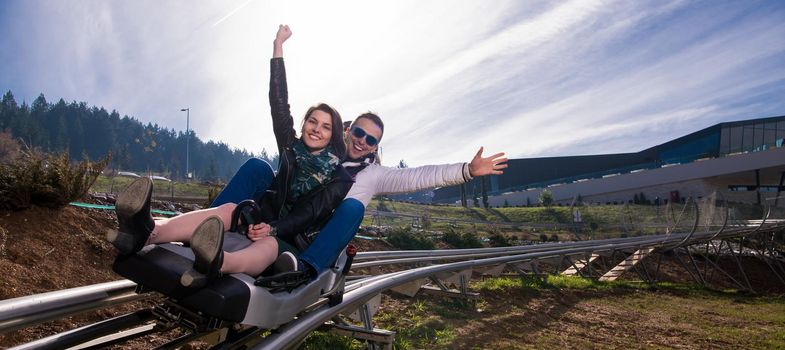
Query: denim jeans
x=334, y=236
x=252, y=180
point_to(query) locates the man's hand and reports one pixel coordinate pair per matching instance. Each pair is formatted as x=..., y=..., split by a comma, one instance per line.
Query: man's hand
x=492, y=165
x=258, y=231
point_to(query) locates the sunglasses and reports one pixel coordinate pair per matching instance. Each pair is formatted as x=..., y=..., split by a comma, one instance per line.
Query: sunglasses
x=359, y=133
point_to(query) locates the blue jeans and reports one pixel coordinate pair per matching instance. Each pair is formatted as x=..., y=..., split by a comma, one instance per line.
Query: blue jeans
x=334, y=236
x=252, y=180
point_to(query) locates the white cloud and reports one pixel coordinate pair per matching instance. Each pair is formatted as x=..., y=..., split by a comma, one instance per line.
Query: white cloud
x=447, y=76
x=622, y=93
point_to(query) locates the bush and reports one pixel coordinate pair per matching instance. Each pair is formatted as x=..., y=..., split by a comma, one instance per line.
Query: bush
x=405, y=239
x=461, y=241
x=213, y=190
x=47, y=180
x=426, y=221
x=499, y=240
x=546, y=198
x=10, y=149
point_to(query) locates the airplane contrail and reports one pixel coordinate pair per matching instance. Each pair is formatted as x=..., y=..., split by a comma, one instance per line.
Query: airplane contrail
x=231, y=13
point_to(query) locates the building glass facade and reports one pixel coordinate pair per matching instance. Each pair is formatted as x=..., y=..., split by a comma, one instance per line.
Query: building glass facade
x=751, y=135
x=715, y=141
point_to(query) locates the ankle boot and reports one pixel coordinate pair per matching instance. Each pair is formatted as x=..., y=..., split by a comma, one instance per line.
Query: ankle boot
x=133, y=216
x=207, y=245
x=285, y=262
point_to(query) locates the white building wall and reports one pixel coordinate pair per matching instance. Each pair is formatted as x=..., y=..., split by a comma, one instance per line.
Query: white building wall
x=692, y=179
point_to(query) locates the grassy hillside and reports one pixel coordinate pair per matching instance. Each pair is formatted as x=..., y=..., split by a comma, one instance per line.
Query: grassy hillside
x=161, y=189
x=574, y=313
x=528, y=223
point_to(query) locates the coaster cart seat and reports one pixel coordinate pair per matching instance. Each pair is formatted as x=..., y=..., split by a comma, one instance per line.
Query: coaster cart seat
x=230, y=299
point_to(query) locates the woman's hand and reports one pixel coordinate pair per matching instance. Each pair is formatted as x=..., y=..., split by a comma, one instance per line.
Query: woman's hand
x=492, y=165
x=283, y=34
x=258, y=231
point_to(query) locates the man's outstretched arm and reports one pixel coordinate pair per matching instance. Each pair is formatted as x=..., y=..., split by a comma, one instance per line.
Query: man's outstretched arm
x=385, y=180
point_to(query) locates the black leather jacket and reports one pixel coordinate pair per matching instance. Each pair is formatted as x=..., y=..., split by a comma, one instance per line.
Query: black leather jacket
x=310, y=212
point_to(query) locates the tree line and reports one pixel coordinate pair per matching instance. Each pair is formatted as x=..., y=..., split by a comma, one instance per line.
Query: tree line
x=93, y=132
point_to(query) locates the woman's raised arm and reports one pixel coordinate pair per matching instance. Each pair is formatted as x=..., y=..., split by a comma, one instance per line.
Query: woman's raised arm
x=283, y=125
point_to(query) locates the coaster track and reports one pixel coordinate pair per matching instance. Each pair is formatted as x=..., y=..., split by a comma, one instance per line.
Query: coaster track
x=35, y=309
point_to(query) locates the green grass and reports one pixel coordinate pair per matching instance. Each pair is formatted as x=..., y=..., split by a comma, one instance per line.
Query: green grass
x=742, y=320
x=581, y=283
x=695, y=316
x=504, y=283
x=161, y=189
x=632, y=219
x=325, y=340
x=714, y=318
x=607, y=220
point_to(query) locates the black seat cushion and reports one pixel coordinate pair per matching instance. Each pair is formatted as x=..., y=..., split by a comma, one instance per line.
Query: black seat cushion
x=159, y=267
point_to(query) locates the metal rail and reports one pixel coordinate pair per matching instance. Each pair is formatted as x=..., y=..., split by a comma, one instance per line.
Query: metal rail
x=34, y=309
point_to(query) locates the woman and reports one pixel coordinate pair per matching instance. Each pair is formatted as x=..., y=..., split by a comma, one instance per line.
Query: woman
x=309, y=186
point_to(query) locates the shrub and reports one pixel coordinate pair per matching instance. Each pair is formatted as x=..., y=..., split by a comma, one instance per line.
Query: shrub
x=46, y=180
x=426, y=221
x=546, y=198
x=213, y=190
x=405, y=239
x=499, y=240
x=461, y=241
x=9, y=148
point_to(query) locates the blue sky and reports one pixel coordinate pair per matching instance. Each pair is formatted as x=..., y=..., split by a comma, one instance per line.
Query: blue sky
x=531, y=78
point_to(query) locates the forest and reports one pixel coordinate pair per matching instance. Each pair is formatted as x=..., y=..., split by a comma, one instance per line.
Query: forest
x=93, y=132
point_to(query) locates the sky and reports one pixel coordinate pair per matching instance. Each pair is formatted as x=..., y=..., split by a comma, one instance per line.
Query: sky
x=529, y=78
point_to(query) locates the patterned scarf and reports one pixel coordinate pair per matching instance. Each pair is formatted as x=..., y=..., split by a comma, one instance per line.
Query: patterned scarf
x=312, y=169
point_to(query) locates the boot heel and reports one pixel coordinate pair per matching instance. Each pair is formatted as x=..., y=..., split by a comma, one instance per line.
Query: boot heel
x=124, y=242
x=193, y=279
x=207, y=245
x=133, y=217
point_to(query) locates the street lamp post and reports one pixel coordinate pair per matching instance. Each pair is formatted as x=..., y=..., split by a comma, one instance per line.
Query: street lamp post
x=187, y=139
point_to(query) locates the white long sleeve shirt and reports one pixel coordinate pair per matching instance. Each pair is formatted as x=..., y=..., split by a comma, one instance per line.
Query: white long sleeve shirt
x=377, y=179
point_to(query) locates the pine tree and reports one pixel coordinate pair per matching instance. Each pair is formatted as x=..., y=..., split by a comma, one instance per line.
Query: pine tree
x=78, y=128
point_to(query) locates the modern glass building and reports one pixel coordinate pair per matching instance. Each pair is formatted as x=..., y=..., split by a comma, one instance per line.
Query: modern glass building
x=716, y=141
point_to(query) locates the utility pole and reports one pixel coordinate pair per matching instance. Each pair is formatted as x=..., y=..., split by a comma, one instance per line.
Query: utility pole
x=187, y=140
